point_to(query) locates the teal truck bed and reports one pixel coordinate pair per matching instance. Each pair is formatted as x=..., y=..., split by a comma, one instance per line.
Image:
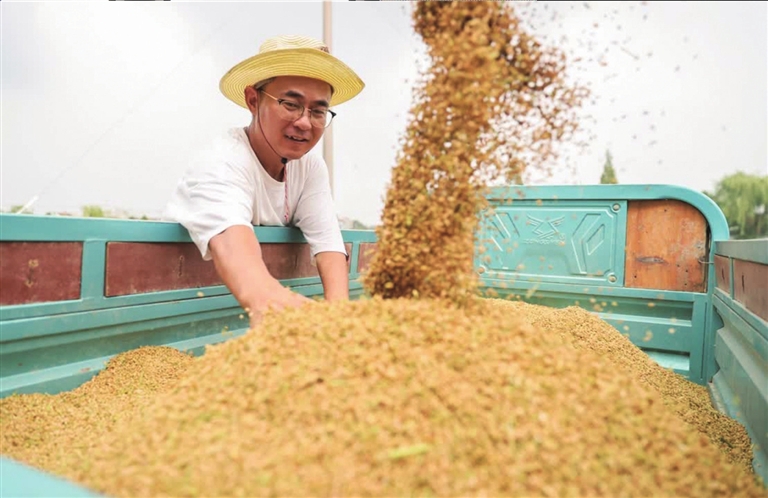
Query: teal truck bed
x=652, y=260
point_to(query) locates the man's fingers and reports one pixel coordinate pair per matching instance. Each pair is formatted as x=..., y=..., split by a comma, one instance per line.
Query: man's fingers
x=282, y=300
x=275, y=305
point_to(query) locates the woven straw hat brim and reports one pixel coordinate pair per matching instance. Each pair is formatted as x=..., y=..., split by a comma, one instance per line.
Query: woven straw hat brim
x=308, y=62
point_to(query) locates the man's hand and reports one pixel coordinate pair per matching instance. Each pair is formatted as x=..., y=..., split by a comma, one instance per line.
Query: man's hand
x=238, y=260
x=275, y=297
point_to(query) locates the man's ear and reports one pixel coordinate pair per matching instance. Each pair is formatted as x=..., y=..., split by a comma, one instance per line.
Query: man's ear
x=251, y=98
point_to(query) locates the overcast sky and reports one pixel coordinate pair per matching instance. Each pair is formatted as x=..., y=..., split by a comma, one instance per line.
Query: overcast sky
x=104, y=102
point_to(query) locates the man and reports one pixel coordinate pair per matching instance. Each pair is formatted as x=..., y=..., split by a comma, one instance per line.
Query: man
x=262, y=175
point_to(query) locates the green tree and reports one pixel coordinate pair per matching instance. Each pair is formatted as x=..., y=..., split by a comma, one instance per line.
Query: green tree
x=93, y=211
x=609, y=174
x=743, y=198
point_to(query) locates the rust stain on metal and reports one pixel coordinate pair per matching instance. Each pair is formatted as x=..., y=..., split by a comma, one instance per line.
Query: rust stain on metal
x=32, y=264
x=723, y=273
x=651, y=260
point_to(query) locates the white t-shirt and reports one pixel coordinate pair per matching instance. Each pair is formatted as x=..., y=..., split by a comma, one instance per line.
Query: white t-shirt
x=226, y=185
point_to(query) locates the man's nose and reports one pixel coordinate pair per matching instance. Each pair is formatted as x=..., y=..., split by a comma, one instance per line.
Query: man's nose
x=303, y=122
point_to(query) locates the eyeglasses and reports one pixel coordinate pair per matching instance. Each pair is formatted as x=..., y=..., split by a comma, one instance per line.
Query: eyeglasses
x=292, y=111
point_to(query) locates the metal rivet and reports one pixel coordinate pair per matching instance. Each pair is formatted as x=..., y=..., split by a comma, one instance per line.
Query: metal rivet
x=616, y=207
x=612, y=278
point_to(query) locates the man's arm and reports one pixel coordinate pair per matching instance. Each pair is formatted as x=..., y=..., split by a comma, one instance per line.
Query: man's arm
x=237, y=256
x=334, y=275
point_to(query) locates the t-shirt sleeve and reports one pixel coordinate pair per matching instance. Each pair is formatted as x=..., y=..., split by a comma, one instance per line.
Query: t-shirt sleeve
x=217, y=193
x=315, y=214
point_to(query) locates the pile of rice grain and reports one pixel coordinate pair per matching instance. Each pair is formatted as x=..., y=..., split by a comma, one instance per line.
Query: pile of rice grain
x=404, y=396
x=689, y=401
x=401, y=397
x=56, y=432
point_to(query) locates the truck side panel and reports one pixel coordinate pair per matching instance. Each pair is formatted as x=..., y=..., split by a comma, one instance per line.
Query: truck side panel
x=740, y=387
x=76, y=292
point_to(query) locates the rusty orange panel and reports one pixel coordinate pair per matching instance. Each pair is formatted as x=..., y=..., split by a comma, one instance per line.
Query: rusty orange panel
x=666, y=242
x=367, y=250
x=723, y=273
x=288, y=260
x=136, y=267
x=139, y=267
x=750, y=287
x=37, y=272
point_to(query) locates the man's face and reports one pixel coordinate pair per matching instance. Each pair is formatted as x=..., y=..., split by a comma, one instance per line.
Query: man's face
x=292, y=139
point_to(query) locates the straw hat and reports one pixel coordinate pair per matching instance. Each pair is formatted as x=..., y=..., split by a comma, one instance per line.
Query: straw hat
x=292, y=56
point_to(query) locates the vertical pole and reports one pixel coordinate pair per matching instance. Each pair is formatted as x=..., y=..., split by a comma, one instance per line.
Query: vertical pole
x=328, y=135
